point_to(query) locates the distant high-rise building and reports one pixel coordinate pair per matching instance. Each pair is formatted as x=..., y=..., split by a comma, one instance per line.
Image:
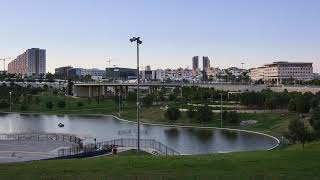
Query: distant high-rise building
x=195, y=63
x=31, y=62
x=205, y=63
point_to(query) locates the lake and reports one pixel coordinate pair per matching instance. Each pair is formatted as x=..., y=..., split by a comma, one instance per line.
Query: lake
x=186, y=140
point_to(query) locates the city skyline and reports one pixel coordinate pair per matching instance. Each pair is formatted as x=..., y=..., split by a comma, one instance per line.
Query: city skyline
x=78, y=33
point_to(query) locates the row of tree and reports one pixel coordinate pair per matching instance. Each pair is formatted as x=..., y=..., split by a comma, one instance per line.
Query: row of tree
x=293, y=101
x=202, y=114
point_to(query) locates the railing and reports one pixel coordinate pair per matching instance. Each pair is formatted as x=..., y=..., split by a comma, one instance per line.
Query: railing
x=108, y=145
x=144, y=143
x=41, y=137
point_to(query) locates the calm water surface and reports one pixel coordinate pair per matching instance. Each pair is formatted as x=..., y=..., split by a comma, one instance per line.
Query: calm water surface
x=184, y=140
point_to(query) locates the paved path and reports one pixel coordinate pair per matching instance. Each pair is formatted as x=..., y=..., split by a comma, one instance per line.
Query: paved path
x=17, y=151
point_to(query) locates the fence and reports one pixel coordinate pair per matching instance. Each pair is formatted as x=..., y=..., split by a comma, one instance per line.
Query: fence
x=41, y=137
x=108, y=145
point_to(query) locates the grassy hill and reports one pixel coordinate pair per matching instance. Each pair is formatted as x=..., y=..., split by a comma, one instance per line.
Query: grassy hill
x=291, y=163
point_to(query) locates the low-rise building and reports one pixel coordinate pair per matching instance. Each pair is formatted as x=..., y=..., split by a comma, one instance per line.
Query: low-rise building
x=123, y=74
x=62, y=72
x=279, y=72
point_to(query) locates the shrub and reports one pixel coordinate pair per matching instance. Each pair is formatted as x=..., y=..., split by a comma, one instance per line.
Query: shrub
x=49, y=105
x=79, y=104
x=61, y=104
x=172, y=113
x=204, y=113
x=232, y=117
x=4, y=104
x=148, y=100
x=191, y=113
x=23, y=107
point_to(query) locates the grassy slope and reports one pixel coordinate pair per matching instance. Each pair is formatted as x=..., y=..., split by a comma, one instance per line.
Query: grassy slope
x=292, y=163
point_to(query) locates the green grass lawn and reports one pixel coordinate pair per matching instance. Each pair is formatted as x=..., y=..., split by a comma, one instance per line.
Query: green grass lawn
x=291, y=163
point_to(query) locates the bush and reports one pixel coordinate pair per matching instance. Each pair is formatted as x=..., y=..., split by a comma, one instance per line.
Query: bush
x=204, y=113
x=49, y=105
x=79, y=104
x=233, y=117
x=4, y=104
x=191, y=113
x=315, y=120
x=148, y=100
x=172, y=113
x=23, y=107
x=61, y=104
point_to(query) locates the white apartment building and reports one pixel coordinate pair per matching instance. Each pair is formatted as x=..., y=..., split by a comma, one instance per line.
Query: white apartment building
x=31, y=62
x=281, y=71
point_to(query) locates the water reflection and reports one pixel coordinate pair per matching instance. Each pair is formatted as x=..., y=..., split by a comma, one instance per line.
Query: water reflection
x=230, y=135
x=184, y=140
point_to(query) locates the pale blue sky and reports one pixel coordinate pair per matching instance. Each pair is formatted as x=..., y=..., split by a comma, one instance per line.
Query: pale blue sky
x=86, y=33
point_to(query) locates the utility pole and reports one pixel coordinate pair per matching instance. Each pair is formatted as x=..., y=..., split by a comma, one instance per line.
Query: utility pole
x=137, y=39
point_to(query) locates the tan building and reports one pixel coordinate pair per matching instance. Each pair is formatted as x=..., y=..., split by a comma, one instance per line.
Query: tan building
x=31, y=62
x=278, y=72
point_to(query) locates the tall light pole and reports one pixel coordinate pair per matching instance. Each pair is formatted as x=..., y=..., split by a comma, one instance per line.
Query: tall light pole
x=221, y=110
x=137, y=39
x=10, y=100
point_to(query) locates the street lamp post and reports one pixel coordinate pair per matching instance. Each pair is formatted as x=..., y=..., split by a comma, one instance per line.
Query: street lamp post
x=10, y=100
x=221, y=110
x=119, y=101
x=137, y=39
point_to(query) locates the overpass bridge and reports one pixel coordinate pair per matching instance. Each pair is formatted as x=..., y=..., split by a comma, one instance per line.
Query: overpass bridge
x=94, y=89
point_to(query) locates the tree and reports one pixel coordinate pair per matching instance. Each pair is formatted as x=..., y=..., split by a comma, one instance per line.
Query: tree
x=232, y=117
x=204, y=113
x=70, y=87
x=315, y=120
x=298, y=132
x=49, y=105
x=191, y=113
x=61, y=104
x=302, y=105
x=45, y=87
x=4, y=104
x=292, y=105
x=147, y=100
x=172, y=113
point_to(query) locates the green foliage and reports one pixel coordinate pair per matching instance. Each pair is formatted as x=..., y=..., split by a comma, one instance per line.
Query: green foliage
x=80, y=104
x=315, y=120
x=204, y=114
x=302, y=105
x=172, y=113
x=172, y=97
x=4, y=104
x=298, y=132
x=191, y=113
x=49, y=105
x=232, y=117
x=45, y=87
x=61, y=104
x=24, y=107
x=147, y=100
x=132, y=97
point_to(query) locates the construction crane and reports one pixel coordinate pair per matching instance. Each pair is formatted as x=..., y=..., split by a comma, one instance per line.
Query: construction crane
x=4, y=63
